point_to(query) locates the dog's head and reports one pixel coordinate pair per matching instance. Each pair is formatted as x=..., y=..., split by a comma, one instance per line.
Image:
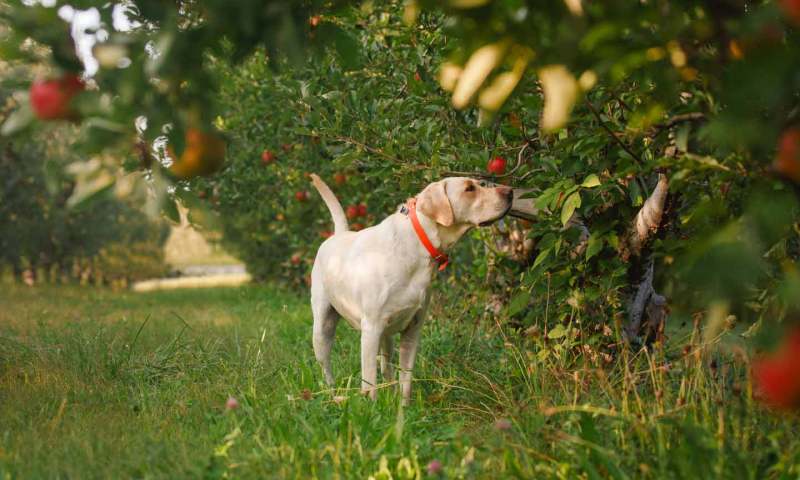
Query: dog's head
x=461, y=201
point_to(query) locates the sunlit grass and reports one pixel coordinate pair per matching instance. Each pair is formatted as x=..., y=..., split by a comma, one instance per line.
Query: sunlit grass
x=102, y=384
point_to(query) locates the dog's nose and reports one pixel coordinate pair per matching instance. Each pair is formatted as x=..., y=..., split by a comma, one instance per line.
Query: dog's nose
x=507, y=192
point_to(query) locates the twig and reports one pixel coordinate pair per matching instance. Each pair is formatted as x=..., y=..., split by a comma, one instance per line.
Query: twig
x=612, y=134
x=621, y=102
x=368, y=148
x=656, y=130
x=519, y=160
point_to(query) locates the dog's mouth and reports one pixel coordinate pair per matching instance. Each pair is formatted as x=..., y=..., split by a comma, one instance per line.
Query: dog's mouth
x=489, y=222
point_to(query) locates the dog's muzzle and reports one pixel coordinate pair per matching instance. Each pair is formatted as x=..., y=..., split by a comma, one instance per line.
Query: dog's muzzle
x=505, y=212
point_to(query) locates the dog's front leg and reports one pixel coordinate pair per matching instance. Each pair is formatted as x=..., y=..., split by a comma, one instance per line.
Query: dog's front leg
x=409, y=341
x=370, y=344
x=387, y=350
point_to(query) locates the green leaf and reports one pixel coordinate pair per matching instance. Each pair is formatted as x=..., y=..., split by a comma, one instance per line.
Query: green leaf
x=591, y=181
x=543, y=200
x=635, y=194
x=594, y=245
x=541, y=257
x=557, y=332
x=170, y=209
x=682, y=137
x=518, y=303
x=346, y=46
x=90, y=187
x=17, y=121
x=570, y=204
x=105, y=124
x=558, y=199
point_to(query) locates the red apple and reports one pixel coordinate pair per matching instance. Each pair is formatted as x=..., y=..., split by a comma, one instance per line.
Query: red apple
x=362, y=210
x=296, y=259
x=313, y=22
x=351, y=211
x=267, y=157
x=777, y=375
x=51, y=99
x=417, y=77
x=787, y=163
x=497, y=166
x=326, y=234
x=340, y=178
x=357, y=226
x=791, y=8
x=301, y=196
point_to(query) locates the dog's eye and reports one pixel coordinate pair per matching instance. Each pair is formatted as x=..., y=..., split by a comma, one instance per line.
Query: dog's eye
x=470, y=188
x=483, y=184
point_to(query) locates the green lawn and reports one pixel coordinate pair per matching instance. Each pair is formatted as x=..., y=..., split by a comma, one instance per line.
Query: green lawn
x=107, y=385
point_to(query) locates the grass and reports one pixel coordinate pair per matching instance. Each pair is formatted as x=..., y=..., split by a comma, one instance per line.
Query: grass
x=95, y=384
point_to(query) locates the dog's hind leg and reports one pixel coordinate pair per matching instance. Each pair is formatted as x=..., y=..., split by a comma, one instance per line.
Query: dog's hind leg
x=387, y=350
x=325, y=320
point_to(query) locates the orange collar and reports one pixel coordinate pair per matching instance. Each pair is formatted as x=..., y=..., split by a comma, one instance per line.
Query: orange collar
x=439, y=257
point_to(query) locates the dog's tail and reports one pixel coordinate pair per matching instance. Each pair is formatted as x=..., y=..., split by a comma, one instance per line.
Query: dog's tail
x=339, y=219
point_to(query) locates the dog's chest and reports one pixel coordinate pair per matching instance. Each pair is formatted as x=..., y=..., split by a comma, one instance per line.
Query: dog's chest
x=388, y=300
x=401, y=306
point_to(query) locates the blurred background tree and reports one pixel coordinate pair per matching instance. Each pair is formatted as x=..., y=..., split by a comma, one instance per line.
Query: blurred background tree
x=45, y=237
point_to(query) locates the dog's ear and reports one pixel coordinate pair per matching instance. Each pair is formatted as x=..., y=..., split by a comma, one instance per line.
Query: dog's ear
x=434, y=203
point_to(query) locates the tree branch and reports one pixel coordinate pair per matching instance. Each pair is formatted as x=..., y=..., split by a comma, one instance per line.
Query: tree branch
x=640, y=300
x=648, y=218
x=612, y=134
x=368, y=148
x=523, y=207
x=656, y=129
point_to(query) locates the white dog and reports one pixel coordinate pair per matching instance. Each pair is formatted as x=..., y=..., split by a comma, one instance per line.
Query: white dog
x=378, y=278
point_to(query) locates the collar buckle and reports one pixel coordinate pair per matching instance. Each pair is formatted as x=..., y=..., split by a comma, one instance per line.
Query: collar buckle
x=439, y=257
